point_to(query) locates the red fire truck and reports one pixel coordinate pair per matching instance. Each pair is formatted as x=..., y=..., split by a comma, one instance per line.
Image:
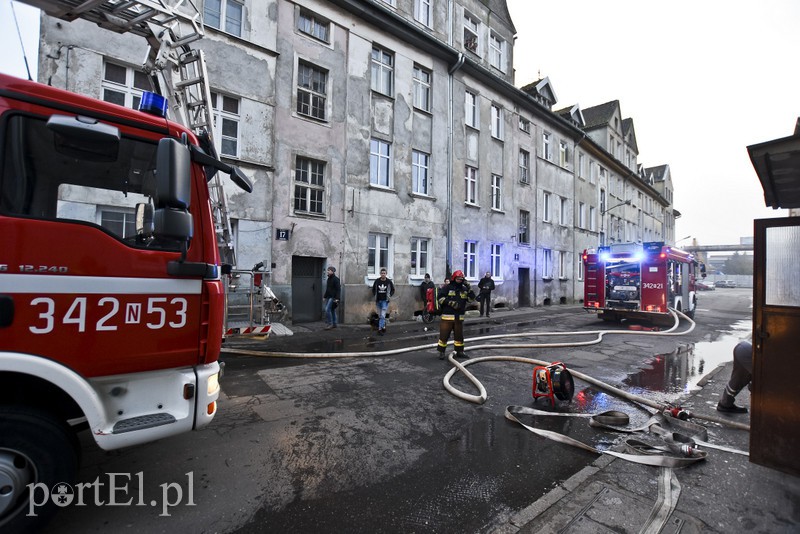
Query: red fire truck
x=640, y=281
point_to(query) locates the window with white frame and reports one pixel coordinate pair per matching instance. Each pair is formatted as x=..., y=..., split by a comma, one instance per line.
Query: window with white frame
x=471, y=259
x=546, y=207
x=562, y=265
x=581, y=165
x=563, y=212
x=121, y=223
x=602, y=202
x=422, y=12
x=547, y=150
x=524, y=227
x=593, y=168
x=496, y=259
x=580, y=267
x=547, y=263
x=592, y=218
x=309, y=186
x=380, y=163
x=422, y=88
x=602, y=172
x=581, y=215
x=226, y=123
x=124, y=85
x=471, y=34
x=312, y=91
x=378, y=253
x=471, y=110
x=382, y=71
x=562, y=153
x=470, y=185
x=497, y=122
x=497, y=52
x=420, y=253
x=224, y=15
x=497, y=192
x=420, y=172
x=524, y=166
x=525, y=125
x=311, y=24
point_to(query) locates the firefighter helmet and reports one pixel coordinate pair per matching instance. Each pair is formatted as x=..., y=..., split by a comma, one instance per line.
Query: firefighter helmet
x=458, y=274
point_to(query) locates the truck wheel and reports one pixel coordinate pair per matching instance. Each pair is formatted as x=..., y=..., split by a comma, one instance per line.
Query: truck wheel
x=35, y=448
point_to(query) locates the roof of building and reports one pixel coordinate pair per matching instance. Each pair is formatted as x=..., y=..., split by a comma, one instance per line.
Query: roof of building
x=600, y=115
x=500, y=8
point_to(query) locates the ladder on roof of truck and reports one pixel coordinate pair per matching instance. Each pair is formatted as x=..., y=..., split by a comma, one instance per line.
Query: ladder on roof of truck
x=169, y=26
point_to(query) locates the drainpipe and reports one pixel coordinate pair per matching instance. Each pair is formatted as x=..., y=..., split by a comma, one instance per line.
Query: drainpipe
x=450, y=150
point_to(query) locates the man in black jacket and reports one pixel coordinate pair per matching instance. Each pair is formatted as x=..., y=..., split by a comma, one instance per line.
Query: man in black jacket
x=486, y=286
x=333, y=290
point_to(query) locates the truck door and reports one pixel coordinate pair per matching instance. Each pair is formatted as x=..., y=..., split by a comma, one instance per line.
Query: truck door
x=775, y=419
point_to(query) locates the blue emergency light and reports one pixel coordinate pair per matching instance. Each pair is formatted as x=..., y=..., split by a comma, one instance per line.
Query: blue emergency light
x=153, y=104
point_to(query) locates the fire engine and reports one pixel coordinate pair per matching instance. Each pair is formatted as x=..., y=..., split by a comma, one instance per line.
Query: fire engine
x=640, y=281
x=111, y=231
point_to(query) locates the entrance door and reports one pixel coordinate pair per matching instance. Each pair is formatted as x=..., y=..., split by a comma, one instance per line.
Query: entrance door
x=775, y=420
x=307, y=289
x=524, y=285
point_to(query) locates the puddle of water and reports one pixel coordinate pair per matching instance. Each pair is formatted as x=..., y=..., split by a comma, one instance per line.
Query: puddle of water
x=673, y=375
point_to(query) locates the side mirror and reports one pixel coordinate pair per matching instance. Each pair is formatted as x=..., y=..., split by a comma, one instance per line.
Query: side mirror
x=173, y=175
x=240, y=179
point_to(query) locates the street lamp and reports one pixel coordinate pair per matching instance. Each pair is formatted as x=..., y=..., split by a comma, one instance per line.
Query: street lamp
x=683, y=239
x=603, y=213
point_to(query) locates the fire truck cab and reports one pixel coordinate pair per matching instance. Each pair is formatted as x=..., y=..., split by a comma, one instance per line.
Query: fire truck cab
x=640, y=281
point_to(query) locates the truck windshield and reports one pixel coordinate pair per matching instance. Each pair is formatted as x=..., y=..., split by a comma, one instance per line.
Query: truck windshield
x=37, y=180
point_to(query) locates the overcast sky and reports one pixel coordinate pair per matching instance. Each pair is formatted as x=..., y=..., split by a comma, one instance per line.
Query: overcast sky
x=701, y=80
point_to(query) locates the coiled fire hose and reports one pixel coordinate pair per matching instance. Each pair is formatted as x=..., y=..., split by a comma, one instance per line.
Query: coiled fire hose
x=482, y=396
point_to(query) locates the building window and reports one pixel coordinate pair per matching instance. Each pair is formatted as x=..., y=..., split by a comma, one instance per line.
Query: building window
x=562, y=265
x=602, y=172
x=496, y=251
x=420, y=248
x=592, y=218
x=310, y=24
x=420, y=172
x=309, y=186
x=546, y=207
x=312, y=91
x=118, y=222
x=471, y=33
x=471, y=185
x=382, y=71
x=470, y=259
x=547, y=150
x=226, y=123
x=422, y=88
x=378, y=248
x=524, y=166
x=380, y=159
x=525, y=125
x=547, y=263
x=124, y=85
x=229, y=11
x=602, y=202
x=471, y=110
x=497, y=122
x=581, y=165
x=562, y=153
x=497, y=52
x=581, y=215
x=497, y=192
x=422, y=12
x=524, y=227
x=562, y=211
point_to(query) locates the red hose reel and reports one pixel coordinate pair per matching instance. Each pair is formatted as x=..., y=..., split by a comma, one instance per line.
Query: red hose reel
x=553, y=381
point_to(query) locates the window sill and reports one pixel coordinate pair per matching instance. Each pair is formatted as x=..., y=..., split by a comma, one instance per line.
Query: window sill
x=498, y=210
x=422, y=196
x=383, y=188
x=563, y=278
x=547, y=278
x=472, y=205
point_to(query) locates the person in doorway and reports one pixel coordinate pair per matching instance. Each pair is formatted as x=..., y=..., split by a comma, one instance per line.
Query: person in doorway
x=382, y=289
x=741, y=376
x=485, y=287
x=426, y=284
x=453, y=300
x=333, y=289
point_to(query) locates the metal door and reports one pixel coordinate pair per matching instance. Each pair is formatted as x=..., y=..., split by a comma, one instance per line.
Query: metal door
x=306, y=289
x=524, y=287
x=775, y=420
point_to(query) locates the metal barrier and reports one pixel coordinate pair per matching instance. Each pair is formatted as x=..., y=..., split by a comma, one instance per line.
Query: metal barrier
x=249, y=302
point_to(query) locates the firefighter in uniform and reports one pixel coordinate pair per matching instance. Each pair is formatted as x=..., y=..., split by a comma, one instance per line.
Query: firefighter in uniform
x=453, y=300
